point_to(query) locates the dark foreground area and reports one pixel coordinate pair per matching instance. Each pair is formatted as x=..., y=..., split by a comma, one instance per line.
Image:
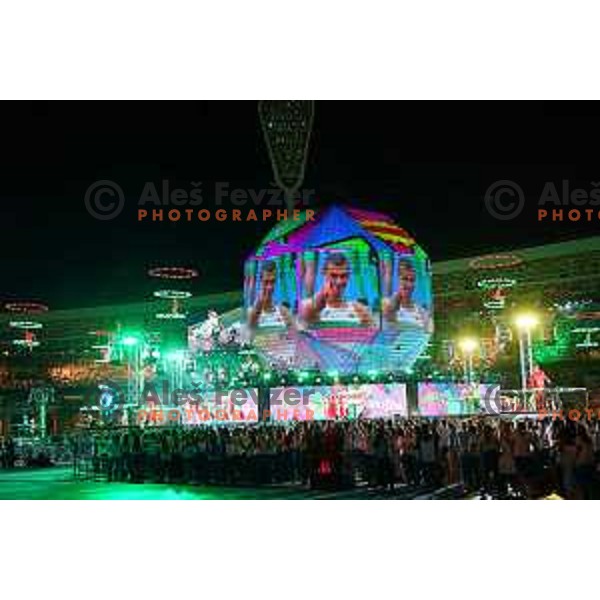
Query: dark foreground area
x=58, y=483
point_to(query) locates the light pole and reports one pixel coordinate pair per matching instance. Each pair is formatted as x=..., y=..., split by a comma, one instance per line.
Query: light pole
x=525, y=323
x=40, y=397
x=468, y=346
x=134, y=375
x=176, y=364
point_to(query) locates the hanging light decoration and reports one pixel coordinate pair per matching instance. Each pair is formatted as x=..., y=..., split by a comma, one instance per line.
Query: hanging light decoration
x=23, y=311
x=174, y=297
x=287, y=126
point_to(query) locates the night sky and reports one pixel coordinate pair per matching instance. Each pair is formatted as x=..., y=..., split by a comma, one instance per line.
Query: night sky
x=429, y=164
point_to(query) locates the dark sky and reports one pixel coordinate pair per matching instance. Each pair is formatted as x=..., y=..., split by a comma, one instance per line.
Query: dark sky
x=429, y=164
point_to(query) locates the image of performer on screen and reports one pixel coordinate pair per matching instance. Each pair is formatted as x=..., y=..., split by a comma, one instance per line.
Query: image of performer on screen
x=328, y=306
x=264, y=312
x=400, y=307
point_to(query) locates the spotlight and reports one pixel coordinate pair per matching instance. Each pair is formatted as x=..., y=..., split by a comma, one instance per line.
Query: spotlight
x=468, y=345
x=526, y=321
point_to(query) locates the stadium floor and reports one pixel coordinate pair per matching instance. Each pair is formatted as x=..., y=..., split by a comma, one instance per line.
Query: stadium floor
x=57, y=483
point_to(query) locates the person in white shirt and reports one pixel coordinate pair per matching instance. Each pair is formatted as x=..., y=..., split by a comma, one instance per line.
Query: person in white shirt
x=264, y=313
x=400, y=307
x=328, y=306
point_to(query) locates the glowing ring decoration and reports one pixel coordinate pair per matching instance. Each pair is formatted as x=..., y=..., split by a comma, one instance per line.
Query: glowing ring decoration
x=173, y=273
x=29, y=343
x=495, y=261
x=25, y=324
x=172, y=294
x=496, y=283
x=494, y=304
x=26, y=307
x=170, y=316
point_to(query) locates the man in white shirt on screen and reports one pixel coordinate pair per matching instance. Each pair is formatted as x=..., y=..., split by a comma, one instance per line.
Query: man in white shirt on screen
x=328, y=306
x=264, y=313
x=400, y=308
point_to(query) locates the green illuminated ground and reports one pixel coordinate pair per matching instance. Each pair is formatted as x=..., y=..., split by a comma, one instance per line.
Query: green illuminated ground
x=58, y=484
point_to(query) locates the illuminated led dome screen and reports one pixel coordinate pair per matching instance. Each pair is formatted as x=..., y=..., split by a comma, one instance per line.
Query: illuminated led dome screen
x=342, y=290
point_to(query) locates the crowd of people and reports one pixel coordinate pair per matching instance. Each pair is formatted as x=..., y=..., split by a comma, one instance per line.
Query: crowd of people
x=7, y=453
x=496, y=457
x=31, y=452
